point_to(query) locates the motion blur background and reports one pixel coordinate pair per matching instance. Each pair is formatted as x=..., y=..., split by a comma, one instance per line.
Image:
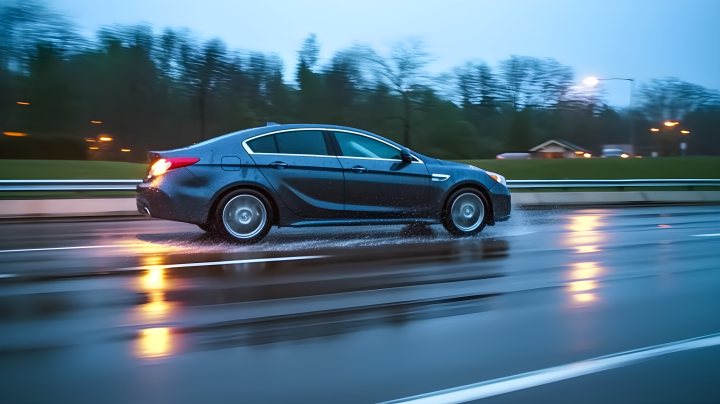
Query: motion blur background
x=99, y=304
x=454, y=80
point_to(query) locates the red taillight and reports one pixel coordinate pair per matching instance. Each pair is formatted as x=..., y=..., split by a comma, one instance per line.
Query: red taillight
x=164, y=165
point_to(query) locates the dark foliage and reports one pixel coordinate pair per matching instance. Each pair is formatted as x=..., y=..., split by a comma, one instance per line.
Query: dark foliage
x=158, y=90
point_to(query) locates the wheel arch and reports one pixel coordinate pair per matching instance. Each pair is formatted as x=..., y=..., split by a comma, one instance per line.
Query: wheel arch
x=477, y=186
x=238, y=186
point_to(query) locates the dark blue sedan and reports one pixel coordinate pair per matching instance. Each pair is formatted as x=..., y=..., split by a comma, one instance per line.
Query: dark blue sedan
x=241, y=184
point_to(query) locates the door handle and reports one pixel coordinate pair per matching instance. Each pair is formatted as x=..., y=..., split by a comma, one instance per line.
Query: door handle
x=359, y=169
x=278, y=165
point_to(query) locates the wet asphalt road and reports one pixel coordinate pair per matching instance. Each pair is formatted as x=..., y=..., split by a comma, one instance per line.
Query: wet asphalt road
x=160, y=312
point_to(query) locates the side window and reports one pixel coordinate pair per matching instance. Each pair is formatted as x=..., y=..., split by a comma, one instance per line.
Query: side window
x=363, y=146
x=265, y=144
x=310, y=142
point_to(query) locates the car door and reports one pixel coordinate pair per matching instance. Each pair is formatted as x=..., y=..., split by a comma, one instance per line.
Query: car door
x=303, y=170
x=376, y=178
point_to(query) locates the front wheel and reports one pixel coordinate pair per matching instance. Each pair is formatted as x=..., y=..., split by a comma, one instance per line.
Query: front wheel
x=244, y=216
x=466, y=213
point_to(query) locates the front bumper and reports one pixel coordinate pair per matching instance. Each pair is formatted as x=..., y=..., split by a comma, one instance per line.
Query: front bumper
x=501, y=203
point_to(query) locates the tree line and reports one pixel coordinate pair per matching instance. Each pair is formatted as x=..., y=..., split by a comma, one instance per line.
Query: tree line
x=154, y=90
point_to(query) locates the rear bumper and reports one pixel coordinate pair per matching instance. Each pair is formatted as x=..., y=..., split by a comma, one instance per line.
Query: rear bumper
x=178, y=196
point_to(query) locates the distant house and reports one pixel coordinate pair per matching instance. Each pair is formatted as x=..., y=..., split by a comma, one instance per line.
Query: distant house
x=558, y=149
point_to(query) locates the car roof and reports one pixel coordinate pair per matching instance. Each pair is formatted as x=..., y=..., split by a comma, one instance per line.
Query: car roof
x=251, y=132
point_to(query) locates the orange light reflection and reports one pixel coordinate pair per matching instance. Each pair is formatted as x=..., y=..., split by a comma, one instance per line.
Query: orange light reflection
x=584, y=297
x=154, y=343
x=585, y=270
x=580, y=286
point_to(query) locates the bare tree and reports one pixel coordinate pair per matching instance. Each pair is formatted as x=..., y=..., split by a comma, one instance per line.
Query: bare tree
x=402, y=72
x=670, y=98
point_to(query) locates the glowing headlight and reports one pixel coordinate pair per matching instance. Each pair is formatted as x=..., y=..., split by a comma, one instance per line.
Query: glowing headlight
x=497, y=177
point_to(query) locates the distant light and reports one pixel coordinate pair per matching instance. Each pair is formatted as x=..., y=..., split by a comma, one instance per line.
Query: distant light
x=638, y=157
x=684, y=132
x=624, y=155
x=94, y=148
x=15, y=134
x=654, y=130
x=89, y=139
x=125, y=150
x=106, y=139
x=664, y=226
x=591, y=81
x=96, y=121
x=588, y=155
x=671, y=123
x=578, y=152
x=23, y=103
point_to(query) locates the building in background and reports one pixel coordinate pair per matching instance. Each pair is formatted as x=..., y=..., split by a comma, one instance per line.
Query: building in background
x=559, y=149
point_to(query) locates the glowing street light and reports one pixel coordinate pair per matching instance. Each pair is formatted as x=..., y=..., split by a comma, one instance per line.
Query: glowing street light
x=591, y=81
x=23, y=103
x=684, y=132
x=587, y=155
x=671, y=123
x=124, y=150
x=15, y=134
x=654, y=130
x=106, y=139
x=95, y=122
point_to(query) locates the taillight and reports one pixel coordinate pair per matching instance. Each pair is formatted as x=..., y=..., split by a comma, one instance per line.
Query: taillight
x=164, y=165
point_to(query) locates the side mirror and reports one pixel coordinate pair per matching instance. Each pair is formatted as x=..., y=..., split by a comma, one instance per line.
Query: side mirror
x=405, y=156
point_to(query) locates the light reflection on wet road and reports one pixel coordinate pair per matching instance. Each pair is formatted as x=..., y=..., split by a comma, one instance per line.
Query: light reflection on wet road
x=370, y=314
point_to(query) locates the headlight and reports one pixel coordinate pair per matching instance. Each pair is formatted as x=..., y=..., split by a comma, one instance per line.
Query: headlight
x=497, y=177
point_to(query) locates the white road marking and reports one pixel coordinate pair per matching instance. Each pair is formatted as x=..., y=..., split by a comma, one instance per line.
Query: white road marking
x=72, y=248
x=707, y=235
x=245, y=261
x=509, y=384
x=210, y=263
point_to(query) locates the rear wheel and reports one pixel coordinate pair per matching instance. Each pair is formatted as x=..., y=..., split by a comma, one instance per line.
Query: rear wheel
x=466, y=213
x=243, y=216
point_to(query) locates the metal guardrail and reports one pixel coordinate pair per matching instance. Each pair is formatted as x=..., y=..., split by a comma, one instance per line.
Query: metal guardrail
x=129, y=185
x=516, y=184
x=68, y=185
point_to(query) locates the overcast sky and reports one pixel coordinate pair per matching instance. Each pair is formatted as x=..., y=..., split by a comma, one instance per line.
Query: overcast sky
x=639, y=39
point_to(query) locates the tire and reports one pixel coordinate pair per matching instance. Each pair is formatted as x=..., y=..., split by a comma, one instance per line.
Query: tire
x=466, y=212
x=244, y=216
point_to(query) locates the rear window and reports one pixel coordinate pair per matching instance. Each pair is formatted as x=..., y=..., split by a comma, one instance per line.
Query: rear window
x=311, y=142
x=265, y=144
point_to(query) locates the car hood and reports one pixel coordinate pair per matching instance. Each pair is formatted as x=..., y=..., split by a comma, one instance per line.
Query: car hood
x=452, y=164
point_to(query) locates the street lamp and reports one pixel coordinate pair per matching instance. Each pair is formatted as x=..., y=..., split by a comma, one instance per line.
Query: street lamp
x=593, y=81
